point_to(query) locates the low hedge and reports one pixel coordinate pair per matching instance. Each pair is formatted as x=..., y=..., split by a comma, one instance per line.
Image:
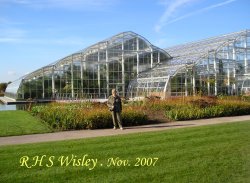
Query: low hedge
x=71, y=116
x=189, y=112
x=88, y=115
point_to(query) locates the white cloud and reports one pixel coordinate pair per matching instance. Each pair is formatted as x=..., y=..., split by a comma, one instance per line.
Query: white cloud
x=200, y=11
x=40, y=41
x=11, y=73
x=169, y=16
x=57, y=41
x=11, y=35
x=9, y=40
x=65, y=4
x=4, y=21
x=170, y=11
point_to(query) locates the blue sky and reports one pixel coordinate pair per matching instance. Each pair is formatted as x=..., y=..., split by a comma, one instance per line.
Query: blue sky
x=35, y=33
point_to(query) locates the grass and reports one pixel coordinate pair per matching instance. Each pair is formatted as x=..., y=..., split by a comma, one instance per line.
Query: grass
x=20, y=123
x=208, y=154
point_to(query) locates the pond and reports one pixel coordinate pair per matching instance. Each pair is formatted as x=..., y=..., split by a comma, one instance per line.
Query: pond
x=4, y=107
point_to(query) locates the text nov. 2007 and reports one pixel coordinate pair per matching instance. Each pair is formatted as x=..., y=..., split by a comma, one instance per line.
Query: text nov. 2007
x=85, y=160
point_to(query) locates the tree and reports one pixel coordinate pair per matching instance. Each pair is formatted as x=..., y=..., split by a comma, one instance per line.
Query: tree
x=3, y=87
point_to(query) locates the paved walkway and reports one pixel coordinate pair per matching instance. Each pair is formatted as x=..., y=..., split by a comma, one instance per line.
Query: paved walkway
x=80, y=134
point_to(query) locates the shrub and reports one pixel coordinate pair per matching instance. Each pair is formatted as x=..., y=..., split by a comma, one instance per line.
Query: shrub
x=88, y=115
x=98, y=118
x=188, y=112
x=203, y=102
x=156, y=105
x=134, y=116
x=85, y=116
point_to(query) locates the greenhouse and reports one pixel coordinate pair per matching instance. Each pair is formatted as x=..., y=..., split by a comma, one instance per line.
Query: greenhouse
x=137, y=69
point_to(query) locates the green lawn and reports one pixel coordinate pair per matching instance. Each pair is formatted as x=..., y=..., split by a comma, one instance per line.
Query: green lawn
x=208, y=154
x=20, y=123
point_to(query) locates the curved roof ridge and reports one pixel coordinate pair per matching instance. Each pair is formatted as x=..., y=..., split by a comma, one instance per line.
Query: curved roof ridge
x=203, y=46
x=112, y=41
x=233, y=34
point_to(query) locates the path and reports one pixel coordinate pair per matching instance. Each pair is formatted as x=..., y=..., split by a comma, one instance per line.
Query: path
x=80, y=134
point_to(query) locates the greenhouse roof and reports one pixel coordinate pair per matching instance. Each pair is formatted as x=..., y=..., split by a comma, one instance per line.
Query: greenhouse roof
x=185, y=53
x=190, y=53
x=110, y=43
x=181, y=55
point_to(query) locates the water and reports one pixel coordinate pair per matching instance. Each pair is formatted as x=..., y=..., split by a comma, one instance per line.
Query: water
x=4, y=107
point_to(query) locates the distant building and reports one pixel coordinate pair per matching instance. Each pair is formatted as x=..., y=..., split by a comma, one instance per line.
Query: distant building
x=136, y=68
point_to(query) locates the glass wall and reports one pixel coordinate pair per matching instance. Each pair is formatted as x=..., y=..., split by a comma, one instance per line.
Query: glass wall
x=136, y=68
x=221, y=70
x=94, y=71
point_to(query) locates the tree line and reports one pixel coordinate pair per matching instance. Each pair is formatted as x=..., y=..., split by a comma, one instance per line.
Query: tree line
x=3, y=87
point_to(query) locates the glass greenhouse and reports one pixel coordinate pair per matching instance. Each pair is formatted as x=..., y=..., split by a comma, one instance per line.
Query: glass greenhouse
x=136, y=68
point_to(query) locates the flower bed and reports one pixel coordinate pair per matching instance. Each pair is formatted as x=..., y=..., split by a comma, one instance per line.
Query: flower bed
x=200, y=108
x=85, y=116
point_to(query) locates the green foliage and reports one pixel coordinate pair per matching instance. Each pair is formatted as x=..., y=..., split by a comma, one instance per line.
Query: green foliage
x=134, y=116
x=88, y=115
x=246, y=98
x=85, y=116
x=198, y=109
x=3, y=87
